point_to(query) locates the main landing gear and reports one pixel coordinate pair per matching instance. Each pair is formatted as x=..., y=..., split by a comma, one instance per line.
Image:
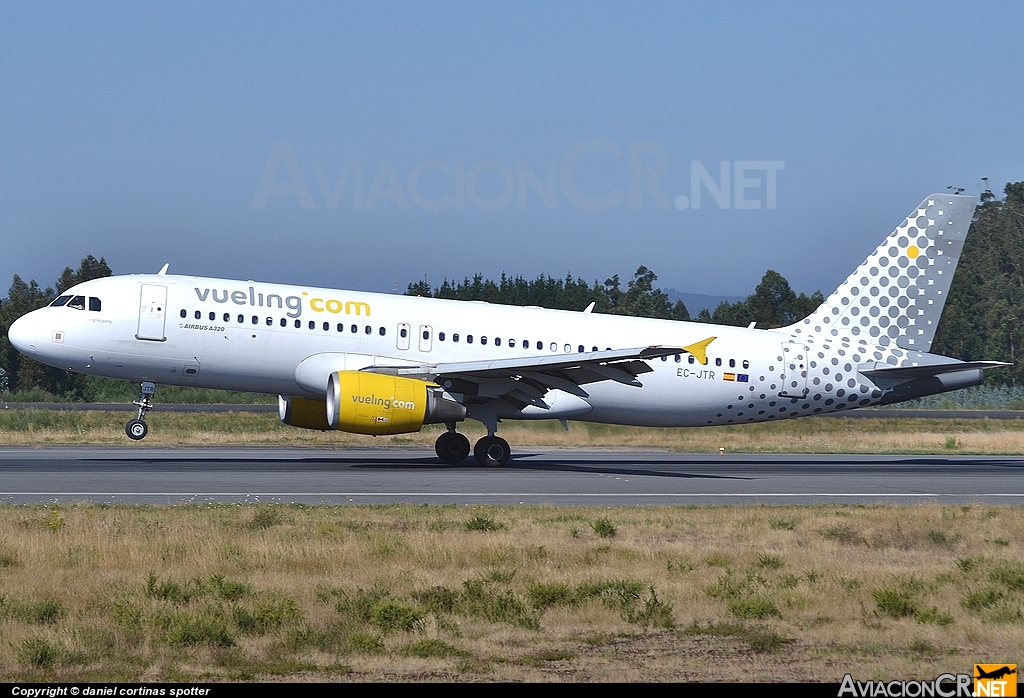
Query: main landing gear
x=452, y=447
x=137, y=429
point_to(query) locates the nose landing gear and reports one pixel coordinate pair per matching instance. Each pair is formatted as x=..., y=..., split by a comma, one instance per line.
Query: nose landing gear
x=137, y=429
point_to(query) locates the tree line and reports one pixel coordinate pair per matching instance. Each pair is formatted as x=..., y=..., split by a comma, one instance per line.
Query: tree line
x=20, y=373
x=772, y=304
x=983, y=317
x=984, y=313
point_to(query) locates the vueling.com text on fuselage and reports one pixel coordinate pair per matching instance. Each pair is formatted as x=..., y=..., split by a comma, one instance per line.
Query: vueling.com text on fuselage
x=251, y=297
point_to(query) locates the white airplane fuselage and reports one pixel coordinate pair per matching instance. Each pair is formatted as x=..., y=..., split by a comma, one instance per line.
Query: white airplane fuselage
x=866, y=345
x=739, y=383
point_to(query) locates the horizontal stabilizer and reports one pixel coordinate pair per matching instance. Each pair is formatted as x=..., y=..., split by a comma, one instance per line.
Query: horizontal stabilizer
x=911, y=372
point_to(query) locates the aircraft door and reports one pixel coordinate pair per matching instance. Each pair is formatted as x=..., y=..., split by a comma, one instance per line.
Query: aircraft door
x=152, y=313
x=404, y=335
x=794, y=370
x=426, y=337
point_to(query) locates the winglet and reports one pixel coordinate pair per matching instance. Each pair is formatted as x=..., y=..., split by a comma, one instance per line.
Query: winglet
x=700, y=349
x=163, y=270
x=590, y=308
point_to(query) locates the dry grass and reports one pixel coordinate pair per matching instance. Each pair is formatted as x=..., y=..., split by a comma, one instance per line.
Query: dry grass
x=122, y=593
x=810, y=435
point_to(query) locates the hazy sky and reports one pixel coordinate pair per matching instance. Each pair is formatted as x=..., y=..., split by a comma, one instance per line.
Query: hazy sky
x=347, y=144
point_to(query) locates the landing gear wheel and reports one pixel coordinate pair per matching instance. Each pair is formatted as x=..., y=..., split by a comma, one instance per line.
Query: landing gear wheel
x=492, y=451
x=136, y=430
x=452, y=447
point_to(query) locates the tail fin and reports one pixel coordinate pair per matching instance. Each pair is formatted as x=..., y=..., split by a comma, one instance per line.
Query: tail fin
x=896, y=295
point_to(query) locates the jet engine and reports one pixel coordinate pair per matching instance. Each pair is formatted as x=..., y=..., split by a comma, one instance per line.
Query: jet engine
x=303, y=412
x=371, y=403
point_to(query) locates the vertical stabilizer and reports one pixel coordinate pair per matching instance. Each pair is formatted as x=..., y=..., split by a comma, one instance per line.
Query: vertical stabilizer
x=896, y=296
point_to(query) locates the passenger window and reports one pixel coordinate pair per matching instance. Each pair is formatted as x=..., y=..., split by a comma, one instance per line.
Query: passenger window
x=554, y=347
x=718, y=361
x=440, y=336
x=227, y=317
x=255, y=320
x=540, y=345
x=455, y=337
x=354, y=329
x=732, y=363
x=746, y=364
x=63, y=300
x=78, y=303
x=593, y=348
x=183, y=313
x=327, y=326
x=679, y=358
x=298, y=324
x=404, y=332
x=512, y=343
x=497, y=341
x=341, y=328
x=198, y=315
x=664, y=358
x=690, y=359
x=270, y=322
x=582, y=348
x=483, y=339
x=526, y=344
x=312, y=324
x=241, y=319
x=369, y=330
x=284, y=323
x=567, y=348
x=94, y=304
x=382, y=331
x=213, y=316
x=469, y=339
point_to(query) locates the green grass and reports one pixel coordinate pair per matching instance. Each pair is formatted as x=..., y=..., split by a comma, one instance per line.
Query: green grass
x=109, y=390
x=198, y=592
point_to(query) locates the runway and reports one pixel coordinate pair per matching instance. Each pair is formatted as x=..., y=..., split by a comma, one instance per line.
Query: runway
x=144, y=475
x=863, y=413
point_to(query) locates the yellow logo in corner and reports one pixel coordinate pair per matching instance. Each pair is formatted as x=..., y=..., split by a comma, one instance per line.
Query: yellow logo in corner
x=995, y=680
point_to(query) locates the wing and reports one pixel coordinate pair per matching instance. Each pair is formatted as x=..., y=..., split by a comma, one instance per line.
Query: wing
x=523, y=381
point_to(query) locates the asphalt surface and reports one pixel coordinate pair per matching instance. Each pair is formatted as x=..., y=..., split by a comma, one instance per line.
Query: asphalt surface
x=139, y=474
x=864, y=413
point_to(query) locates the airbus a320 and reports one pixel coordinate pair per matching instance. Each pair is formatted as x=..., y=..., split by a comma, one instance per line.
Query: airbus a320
x=386, y=364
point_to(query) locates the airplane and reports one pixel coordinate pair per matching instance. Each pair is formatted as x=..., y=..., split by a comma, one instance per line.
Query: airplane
x=383, y=364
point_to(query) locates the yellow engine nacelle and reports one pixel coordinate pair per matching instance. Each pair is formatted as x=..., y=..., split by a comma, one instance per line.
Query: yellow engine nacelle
x=303, y=412
x=372, y=403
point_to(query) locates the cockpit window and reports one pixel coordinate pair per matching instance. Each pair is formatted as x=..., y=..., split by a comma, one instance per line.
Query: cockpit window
x=95, y=304
x=60, y=301
x=78, y=303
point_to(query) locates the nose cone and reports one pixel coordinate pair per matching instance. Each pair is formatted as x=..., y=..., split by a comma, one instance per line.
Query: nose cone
x=23, y=334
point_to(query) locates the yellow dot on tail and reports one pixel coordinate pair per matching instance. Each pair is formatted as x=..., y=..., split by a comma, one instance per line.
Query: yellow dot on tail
x=912, y=251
